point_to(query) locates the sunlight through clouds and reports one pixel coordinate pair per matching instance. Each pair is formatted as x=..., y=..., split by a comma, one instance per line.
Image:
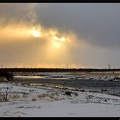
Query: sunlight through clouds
x=47, y=33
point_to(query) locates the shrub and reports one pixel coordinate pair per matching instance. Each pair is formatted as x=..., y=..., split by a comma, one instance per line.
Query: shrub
x=4, y=96
x=7, y=75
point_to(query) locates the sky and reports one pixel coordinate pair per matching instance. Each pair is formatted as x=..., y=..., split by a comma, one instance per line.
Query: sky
x=73, y=35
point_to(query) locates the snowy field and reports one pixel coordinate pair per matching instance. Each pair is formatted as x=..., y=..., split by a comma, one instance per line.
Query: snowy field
x=32, y=100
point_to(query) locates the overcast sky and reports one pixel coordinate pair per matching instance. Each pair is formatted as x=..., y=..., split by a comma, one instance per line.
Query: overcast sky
x=91, y=33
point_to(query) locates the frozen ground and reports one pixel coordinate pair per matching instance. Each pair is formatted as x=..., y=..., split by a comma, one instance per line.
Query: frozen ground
x=41, y=101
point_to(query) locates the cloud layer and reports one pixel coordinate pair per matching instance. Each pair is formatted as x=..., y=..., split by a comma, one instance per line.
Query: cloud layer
x=92, y=30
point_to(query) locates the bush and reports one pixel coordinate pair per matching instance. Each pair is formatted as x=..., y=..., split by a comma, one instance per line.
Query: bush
x=7, y=75
x=4, y=96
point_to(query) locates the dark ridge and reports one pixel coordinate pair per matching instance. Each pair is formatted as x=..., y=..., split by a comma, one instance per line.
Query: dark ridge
x=57, y=70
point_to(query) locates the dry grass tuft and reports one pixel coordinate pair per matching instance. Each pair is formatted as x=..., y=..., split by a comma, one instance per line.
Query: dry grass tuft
x=34, y=99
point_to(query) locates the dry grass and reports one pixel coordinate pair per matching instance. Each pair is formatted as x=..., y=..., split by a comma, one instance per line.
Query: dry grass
x=1, y=99
x=34, y=99
x=43, y=95
x=52, y=98
x=14, y=97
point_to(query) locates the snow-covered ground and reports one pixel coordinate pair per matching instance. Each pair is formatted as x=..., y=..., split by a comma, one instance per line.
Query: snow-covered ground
x=41, y=101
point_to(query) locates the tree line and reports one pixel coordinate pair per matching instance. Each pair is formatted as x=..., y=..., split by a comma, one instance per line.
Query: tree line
x=56, y=70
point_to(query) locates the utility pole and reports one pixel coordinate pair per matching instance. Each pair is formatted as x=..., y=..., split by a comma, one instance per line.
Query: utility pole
x=109, y=66
x=67, y=66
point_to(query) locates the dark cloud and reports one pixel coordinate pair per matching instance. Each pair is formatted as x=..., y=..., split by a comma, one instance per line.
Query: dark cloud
x=97, y=23
x=17, y=12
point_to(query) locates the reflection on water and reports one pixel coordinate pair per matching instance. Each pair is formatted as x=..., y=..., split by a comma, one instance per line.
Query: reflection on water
x=90, y=84
x=28, y=77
